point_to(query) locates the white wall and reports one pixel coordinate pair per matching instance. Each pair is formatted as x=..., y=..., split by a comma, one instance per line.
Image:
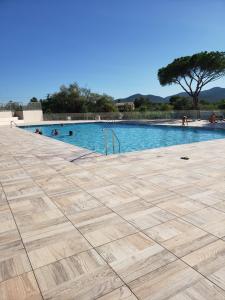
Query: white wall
x=32, y=116
x=5, y=114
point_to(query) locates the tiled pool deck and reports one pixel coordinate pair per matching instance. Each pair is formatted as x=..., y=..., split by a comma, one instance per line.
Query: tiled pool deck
x=145, y=225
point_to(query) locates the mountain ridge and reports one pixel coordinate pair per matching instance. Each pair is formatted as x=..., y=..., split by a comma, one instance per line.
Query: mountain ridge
x=211, y=95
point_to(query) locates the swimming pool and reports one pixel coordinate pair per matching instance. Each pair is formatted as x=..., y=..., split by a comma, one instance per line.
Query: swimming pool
x=132, y=137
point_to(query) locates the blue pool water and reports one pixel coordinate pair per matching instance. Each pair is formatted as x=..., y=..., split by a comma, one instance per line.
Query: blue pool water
x=133, y=137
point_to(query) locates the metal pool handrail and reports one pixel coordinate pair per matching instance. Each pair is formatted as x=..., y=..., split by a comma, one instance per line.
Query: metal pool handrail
x=12, y=122
x=114, y=137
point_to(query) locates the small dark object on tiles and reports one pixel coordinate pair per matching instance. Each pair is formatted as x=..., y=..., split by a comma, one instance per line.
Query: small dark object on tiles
x=185, y=158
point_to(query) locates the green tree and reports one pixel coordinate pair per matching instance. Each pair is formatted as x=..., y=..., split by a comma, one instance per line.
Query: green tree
x=166, y=107
x=142, y=104
x=74, y=99
x=221, y=104
x=192, y=73
x=105, y=103
x=33, y=100
x=13, y=106
x=180, y=103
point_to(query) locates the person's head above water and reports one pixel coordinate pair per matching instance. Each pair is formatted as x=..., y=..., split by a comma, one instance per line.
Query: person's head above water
x=70, y=133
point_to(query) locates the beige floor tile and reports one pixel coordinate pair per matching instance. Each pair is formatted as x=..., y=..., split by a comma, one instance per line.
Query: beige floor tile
x=220, y=206
x=134, y=256
x=12, y=175
x=208, y=219
x=53, y=185
x=21, y=188
x=208, y=197
x=180, y=206
x=166, y=282
x=81, y=277
x=122, y=293
x=166, y=181
x=139, y=187
x=142, y=214
x=159, y=195
x=6, y=219
x=9, y=239
x=112, y=195
x=152, y=177
x=132, y=207
x=180, y=237
x=31, y=205
x=53, y=242
x=2, y=197
x=87, y=180
x=13, y=262
x=101, y=225
x=13, y=258
x=9, y=164
x=202, y=290
x=188, y=190
x=40, y=170
x=23, y=287
x=75, y=202
x=210, y=261
x=32, y=213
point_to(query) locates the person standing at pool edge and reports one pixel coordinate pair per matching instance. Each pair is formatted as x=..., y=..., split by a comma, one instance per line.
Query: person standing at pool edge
x=184, y=120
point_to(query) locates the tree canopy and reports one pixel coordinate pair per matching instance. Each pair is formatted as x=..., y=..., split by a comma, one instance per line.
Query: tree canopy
x=181, y=103
x=74, y=99
x=192, y=73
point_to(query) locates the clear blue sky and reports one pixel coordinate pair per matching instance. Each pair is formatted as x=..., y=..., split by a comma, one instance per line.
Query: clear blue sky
x=111, y=46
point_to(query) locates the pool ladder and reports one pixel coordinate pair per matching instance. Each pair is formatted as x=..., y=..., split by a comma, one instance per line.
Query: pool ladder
x=11, y=124
x=114, y=138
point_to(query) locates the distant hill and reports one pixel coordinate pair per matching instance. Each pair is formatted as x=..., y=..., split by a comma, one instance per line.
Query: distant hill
x=153, y=98
x=212, y=95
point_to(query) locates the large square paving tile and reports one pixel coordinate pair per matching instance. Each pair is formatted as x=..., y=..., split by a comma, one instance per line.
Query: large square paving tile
x=6, y=219
x=40, y=170
x=138, y=187
x=112, y=195
x=23, y=287
x=143, y=214
x=175, y=281
x=123, y=293
x=180, y=237
x=21, y=188
x=12, y=175
x=32, y=213
x=13, y=258
x=180, y=205
x=80, y=277
x=208, y=197
x=2, y=196
x=75, y=202
x=208, y=219
x=31, y=205
x=220, y=206
x=52, y=185
x=52, y=242
x=13, y=262
x=210, y=261
x=157, y=222
x=134, y=256
x=101, y=225
x=87, y=180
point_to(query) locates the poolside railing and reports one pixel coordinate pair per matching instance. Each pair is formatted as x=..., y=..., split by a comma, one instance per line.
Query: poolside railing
x=18, y=106
x=109, y=132
x=134, y=115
